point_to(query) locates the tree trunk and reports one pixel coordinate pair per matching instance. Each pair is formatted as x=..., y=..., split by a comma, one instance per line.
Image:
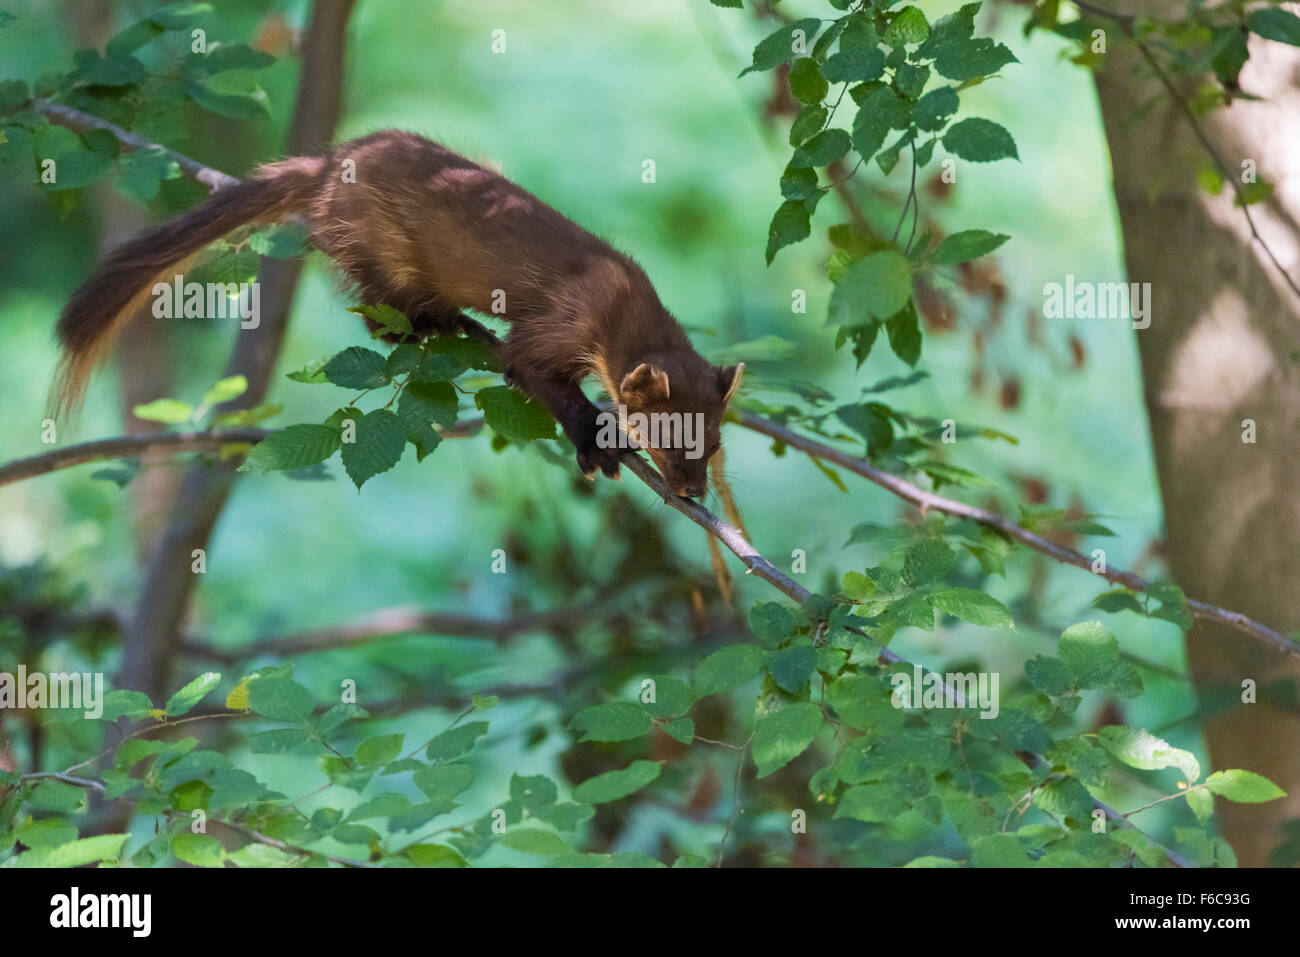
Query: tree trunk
x=153, y=639
x=1221, y=367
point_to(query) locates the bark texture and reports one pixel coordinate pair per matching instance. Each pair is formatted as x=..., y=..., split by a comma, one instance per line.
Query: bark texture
x=1222, y=352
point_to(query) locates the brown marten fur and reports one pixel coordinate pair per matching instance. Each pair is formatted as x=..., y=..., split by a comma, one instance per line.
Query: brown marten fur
x=428, y=232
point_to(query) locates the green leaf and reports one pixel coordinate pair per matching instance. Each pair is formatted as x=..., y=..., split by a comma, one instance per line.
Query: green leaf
x=530, y=840
x=809, y=121
x=513, y=416
x=379, y=750
x=1051, y=676
x=141, y=173
x=980, y=141
x=672, y=697
x=1274, y=24
x=904, y=330
x=791, y=223
x=792, y=667
x=727, y=668
x=881, y=111
x=934, y=108
x=806, y=81
x=52, y=795
x=280, y=242
x=198, y=849
x=785, y=44
x=434, y=855
x=126, y=704
x=680, y=729
x=455, y=742
x=855, y=65
x=928, y=560
x=178, y=16
x=612, y=721
x=234, y=93
x=1245, y=787
x=170, y=411
x=533, y=791
x=278, y=740
x=422, y=406
x=875, y=802
x=771, y=621
x=877, y=286
x=280, y=698
x=1141, y=749
x=113, y=71
x=965, y=246
x=909, y=26
x=87, y=850
x=390, y=321
x=824, y=148
x=225, y=390
x=973, y=606
x=295, y=447
x=783, y=735
x=1090, y=650
x=971, y=59
x=613, y=785
x=50, y=832
x=194, y=692
x=313, y=372
x=380, y=440
x=442, y=783
x=358, y=368
x=132, y=38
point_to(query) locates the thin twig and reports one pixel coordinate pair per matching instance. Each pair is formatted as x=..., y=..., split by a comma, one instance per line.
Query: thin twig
x=928, y=501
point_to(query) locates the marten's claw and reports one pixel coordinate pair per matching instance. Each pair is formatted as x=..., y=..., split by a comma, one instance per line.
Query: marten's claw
x=593, y=457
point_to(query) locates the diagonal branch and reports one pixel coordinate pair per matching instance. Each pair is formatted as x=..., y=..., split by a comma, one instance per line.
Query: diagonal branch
x=81, y=122
x=928, y=501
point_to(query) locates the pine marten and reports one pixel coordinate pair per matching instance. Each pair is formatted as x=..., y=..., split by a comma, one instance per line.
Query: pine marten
x=424, y=230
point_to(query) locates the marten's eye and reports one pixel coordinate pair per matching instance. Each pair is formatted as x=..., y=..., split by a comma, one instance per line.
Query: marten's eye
x=712, y=451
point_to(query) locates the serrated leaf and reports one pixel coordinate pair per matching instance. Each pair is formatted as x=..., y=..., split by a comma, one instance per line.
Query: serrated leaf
x=380, y=440
x=979, y=141
x=294, y=447
x=965, y=246
x=358, y=368
x=1245, y=787
x=784, y=44
x=280, y=698
x=727, y=668
x=972, y=606
x=1141, y=749
x=194, y=692
x=613, y=785
x=513, y=416
x=783, y=735
x=612, y=721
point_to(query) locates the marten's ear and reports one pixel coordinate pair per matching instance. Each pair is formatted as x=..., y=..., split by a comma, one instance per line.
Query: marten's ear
x=644, y=385
x=729, y=380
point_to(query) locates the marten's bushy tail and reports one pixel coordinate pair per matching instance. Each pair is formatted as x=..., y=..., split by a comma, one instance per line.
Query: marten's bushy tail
x=98, y=311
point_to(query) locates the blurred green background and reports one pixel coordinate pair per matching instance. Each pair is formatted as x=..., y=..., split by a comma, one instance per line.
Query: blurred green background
x=584, y=93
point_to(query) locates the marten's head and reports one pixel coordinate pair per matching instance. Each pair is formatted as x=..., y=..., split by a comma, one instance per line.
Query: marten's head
x=673, y=403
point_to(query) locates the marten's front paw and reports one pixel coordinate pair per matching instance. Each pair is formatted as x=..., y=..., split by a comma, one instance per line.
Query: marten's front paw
x=591, y=457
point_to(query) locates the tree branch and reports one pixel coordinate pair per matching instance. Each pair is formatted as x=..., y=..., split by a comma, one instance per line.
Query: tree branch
x=928, y=501
x=123, y=447
x=81, y=122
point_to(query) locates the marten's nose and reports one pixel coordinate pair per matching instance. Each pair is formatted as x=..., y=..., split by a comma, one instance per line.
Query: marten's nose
x=693, y=491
